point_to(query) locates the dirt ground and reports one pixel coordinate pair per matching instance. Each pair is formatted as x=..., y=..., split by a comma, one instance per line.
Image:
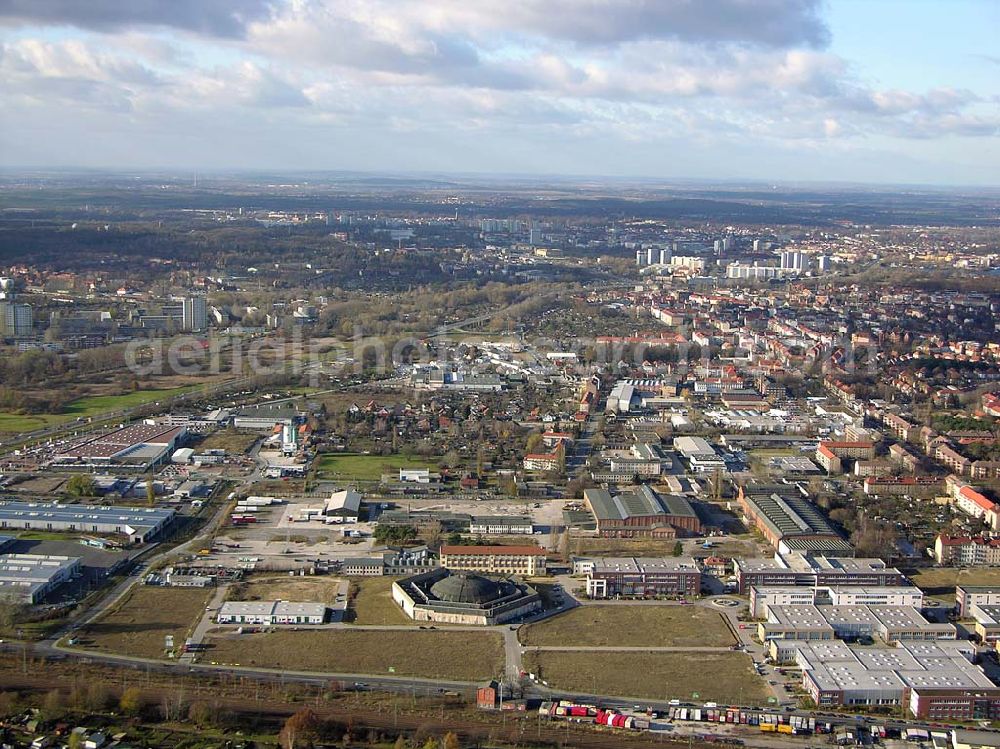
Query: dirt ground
x=138, y=625
x=285, y=588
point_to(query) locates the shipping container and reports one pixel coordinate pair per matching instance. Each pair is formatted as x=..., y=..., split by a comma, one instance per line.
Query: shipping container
x=784, y=728
x=767, y=727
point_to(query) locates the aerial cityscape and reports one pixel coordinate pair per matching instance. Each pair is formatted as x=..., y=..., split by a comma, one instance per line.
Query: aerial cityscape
x=550, y=374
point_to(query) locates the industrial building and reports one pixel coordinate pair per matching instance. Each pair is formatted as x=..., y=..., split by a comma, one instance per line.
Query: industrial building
x=890, y=624
x=934, y=681
x=797, y=569
x=265, y=417
x=701, y=456
x=789, y=521
x=28, y=578
x=763, y=597
x=525, y=561
x=343, y=507
x=967, y=596
x=987, y=625
x=610, y=577
x=642, y=512
x=464, y=598
x=137, y=447
x=506, y=525
x=139, y=524
x=269, y=613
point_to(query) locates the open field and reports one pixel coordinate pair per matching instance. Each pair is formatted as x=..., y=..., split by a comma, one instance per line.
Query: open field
x=940, y=582
x=726, y=678
x=631, y=626
x=373, y=604
x=321, y=589
x=444, y=655
x=233, y=442
x=354, y=467
x=628, y=547
x=91, y=405
x=137, y=626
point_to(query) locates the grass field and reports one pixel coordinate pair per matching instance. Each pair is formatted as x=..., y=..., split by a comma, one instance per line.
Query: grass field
x=284, y=588
x=137, y=626
x=940, y=582
x=726, y=678
x=629, y=547
x=354, y=467
x=631, y=626
x=444, y=655
x=373, y=604
x=89, y=406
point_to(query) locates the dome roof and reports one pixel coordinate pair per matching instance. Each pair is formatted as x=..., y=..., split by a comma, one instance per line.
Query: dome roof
x=466, y=587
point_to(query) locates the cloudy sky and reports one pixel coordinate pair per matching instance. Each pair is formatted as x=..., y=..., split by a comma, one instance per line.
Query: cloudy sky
x=856, y=90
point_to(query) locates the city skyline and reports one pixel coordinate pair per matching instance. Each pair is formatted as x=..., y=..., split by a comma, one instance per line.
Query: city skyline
x=718, y=91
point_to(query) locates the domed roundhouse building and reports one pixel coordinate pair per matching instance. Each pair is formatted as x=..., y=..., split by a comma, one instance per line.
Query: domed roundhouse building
x=453, y=597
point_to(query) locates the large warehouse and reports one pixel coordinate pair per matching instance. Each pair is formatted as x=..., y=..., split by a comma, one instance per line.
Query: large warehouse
x=139, y=524
x=636, y=576
x=789, y=521
x=642, y=512
x=934, y=680
x=464, y=598
x=30, y=577
x=803, y=569
x=137, y=447
x=271, y=612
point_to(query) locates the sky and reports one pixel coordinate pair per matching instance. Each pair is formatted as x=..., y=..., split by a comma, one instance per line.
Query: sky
x=882, y=91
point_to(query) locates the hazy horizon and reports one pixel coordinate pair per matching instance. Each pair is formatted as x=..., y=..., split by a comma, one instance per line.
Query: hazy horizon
x=722, y=91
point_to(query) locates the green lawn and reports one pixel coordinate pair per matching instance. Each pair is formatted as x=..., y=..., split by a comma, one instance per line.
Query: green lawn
x=89, y=406
x=365, y=467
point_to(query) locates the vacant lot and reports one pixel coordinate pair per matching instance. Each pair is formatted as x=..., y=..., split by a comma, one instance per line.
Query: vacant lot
x=138, y=625
x=372, y=602
x=285, y=588
x=727, y=678
x=353, y=467
x=444, y=655
x=940, y=582
x=628, y=547
x=631, y=626
x=233, y=442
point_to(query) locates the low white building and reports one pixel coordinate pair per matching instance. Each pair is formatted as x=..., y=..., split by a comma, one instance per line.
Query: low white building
x=269, y=613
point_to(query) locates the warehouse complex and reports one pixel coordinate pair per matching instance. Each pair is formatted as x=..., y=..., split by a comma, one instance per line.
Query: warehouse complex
x=935, y=681
x=525, y=561
x=611, y=577
x=890, y=624
x=796, y=569
x=28, y=578
x=137, y=447
x=789, y=521
x=464, y=598
x=642, y=512
x=139, y=524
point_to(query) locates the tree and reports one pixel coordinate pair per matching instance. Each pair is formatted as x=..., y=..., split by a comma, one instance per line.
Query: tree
x=131, y=701
x=301, y=729
x=401, y=743
x=450, y=741
x=81, y=485
x=11, y=610
x=678, y=548
x=150, y=492
x=75, y=740
x=201, y=714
